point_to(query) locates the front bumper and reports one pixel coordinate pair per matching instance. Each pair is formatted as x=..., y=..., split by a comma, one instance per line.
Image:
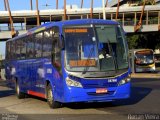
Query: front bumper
x=73, y=94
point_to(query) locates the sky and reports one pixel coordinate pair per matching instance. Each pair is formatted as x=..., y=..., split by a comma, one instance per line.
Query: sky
x=25, y=5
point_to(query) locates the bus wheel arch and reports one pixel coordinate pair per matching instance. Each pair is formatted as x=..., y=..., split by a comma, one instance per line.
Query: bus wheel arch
x=19, y=94
x=50, y=97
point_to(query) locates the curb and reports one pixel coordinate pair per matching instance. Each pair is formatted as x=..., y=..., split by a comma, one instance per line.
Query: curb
x=145, y=75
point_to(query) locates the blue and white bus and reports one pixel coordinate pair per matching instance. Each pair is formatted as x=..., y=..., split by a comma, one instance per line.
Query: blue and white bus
x=70, y=61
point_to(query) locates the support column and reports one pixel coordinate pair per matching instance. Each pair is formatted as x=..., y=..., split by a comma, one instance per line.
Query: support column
x=91, y=11
x=117, y=12
x=158, y=17
x=111, y=16
x=68, y=17
x=65, y=10
x=5, y=5
x=21, y=26
x=135, y=18
x=38, y=19
x=106, y=3
x=104, y=11
x=81, y=16
x=123, y=20
x=31, y=4
x=56, y=4
x=50, y=18
x=159, y=20
x=147, y=17
x=87, y=16
x=81, y=3
x=25, y=23
x=11, y=19
x=99, y=15
x=138, y=26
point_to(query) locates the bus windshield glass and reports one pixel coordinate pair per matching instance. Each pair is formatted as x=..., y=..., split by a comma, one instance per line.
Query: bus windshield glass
x=144, y=57
x=95, y=48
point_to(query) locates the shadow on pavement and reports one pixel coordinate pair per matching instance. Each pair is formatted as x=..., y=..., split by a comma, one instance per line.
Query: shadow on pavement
x=144, y=80
x=5, y=93
x=2, y=83
x=137, y=94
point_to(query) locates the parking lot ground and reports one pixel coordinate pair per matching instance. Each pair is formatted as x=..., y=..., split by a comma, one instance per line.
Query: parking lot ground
x=144, y=100
x=146, y=75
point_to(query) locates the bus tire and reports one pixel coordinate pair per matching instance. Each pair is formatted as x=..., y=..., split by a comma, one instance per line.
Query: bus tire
x=50, y=99
x=19, y=94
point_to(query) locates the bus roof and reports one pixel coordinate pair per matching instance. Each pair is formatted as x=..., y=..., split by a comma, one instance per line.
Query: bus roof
x=65, y=23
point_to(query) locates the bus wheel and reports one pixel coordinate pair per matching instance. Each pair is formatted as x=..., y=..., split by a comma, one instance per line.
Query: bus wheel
x=19, y=94
x=50, y=98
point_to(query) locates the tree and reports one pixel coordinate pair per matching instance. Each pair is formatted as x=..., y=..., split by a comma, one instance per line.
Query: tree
x=149, y=40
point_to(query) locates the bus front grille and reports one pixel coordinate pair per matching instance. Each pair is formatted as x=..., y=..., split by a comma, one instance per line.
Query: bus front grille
x=89, y=86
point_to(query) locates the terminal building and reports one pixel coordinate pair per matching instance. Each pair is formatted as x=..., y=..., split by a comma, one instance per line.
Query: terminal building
x=128, y=15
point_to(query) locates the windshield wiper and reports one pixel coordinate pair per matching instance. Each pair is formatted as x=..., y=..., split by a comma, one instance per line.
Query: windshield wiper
x=89, y=56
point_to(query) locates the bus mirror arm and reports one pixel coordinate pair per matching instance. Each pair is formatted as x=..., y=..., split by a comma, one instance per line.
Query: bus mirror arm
x=62, y=42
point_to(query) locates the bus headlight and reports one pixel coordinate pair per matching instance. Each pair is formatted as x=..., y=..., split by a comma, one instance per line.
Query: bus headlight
x=73, y=83
x=124, y=81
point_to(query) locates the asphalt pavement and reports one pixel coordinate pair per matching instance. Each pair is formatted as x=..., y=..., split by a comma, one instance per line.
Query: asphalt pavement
x=143, y=104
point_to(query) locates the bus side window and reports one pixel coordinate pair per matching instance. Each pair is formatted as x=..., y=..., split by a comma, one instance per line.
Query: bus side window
x=24, y=48
x=56, y=56
x=47, y=43
x=30, y=47
x=38, y=44
x=18, y=49
x=12, y=47
x=8, y=51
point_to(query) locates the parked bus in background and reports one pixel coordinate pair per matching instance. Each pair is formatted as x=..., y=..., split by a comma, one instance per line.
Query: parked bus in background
x=70, y=61
x=157, y=58
x=143, y=60
x=2, y=70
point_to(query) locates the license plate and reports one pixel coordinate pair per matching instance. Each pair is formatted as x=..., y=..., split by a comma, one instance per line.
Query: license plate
x=101, y=90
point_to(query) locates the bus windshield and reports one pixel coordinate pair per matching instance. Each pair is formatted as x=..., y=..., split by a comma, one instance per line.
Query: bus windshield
x=95, y=48
x=144, y=57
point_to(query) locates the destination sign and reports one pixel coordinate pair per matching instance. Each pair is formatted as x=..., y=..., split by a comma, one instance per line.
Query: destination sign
x=82, y=63
x=76, y=30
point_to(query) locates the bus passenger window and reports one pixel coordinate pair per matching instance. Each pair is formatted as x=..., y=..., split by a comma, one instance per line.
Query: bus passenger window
x=12, y=55
x=30, y=47
x=47, y=43
x=38, y=44
x=23, y=49
x=18, y=49
x=56, y=50
x=8, y=50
